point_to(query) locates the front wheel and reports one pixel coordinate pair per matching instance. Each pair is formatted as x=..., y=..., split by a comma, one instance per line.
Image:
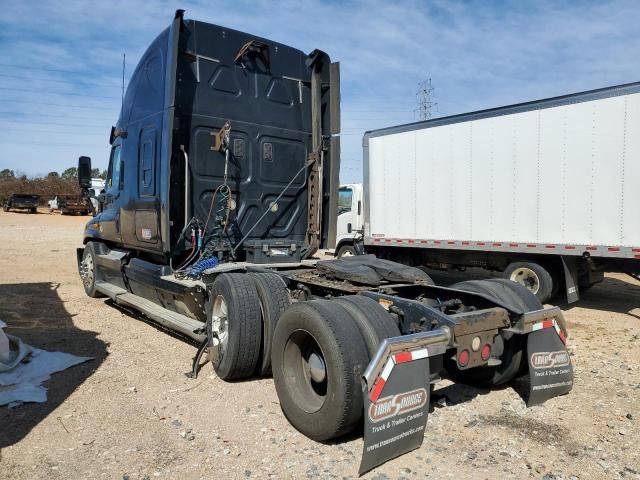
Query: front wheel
x=346, y=251
x=88, y=270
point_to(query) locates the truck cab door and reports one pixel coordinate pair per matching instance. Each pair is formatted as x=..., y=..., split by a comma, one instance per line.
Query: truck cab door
x=346, y=213
x=110, y=217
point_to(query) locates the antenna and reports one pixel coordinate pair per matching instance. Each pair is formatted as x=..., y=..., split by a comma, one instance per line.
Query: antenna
x=124, y=57
x=424, y=97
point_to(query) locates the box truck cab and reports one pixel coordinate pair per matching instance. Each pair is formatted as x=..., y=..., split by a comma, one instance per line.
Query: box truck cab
x=349, y=219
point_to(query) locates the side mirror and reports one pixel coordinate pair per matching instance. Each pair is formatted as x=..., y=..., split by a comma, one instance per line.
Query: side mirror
x=349, y=228
x=84, y=172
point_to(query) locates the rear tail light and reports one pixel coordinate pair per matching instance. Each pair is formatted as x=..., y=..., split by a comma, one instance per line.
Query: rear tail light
x=463, y=358
x=485, y=353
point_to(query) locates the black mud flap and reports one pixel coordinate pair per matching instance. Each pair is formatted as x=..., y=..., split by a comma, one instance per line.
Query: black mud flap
x=395, y=409
x=550, y=369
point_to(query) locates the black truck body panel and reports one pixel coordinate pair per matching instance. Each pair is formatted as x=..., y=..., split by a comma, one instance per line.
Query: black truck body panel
x=185, y=87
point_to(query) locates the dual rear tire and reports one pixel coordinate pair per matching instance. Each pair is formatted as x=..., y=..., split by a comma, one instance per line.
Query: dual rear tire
x=317, y=349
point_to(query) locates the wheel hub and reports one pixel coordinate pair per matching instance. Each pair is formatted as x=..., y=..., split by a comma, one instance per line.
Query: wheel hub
x=86, y=270
x=317, y=368
x=527, y=278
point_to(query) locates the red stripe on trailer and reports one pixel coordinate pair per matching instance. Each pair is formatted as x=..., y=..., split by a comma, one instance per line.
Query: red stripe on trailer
x=592, y=248
x=423, y=241
x=451, y=243
x=402, y=357
x=636, y=256
x=513, y=244
x=388, y=240
x=411, y=241
x=613, y=249
x=480, y=244
x=497, y=244
x=530, y=245
x=377, y=389
x=635, y=250
x=437, y=242
x=399, y=241
x=569, y=247
x=465, y=243
x=549, y=246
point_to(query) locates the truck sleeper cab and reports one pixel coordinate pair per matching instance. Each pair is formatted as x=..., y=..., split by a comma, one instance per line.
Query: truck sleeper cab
x=222, y=184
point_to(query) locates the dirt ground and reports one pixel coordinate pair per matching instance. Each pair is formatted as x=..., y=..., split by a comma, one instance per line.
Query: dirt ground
x=132, y=414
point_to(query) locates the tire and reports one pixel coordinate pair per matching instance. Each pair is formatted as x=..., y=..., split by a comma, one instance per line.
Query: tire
x=88, y=270
x=321, y=333
x=373, y=321
x=233, y=314
x=5, y=209
x=274, y=299
x=346, y=251
x=533, y=276
x=513, y=355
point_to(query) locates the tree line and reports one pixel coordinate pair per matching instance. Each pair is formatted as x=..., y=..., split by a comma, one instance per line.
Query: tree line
x=54, y=183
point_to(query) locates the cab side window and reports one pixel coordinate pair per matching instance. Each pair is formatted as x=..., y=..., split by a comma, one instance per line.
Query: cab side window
x=344, y=200
x=114, y=173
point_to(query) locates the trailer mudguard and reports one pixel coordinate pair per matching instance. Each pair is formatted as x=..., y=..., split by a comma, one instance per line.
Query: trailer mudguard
x=550, y=368
x=396, y=393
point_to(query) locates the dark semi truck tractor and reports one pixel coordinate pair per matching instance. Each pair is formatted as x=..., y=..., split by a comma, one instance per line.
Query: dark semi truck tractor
x=222, y=185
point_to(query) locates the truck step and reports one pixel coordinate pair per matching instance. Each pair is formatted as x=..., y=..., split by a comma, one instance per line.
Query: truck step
x=172, y=320
x=109, y=289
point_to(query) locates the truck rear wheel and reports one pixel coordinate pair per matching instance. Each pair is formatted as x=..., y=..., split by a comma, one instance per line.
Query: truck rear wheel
x=88, y=270
x=373, y=321
x=533, y=276
x=234, y=326
x=318, y=357
x=519, y=298
x=274, y=299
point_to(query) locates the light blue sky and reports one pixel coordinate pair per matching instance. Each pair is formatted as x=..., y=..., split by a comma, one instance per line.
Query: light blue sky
x=60, y=62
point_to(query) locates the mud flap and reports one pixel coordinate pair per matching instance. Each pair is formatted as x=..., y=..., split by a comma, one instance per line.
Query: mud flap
x=395, y=409
x=550, y=369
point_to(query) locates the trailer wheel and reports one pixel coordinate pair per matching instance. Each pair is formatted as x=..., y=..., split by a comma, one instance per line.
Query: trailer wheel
x=234, y=326
x=533, y=276
x=346, y=251
x=88, y=268
x=318, y=357
x=274, y=299
x=512, y=356
x=374, y=322
x=5, y=208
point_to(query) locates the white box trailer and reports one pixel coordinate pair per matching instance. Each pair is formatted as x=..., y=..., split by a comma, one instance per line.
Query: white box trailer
x=546, y=191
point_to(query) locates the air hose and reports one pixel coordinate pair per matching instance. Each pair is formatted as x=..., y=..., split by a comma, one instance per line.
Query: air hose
x=195, y=270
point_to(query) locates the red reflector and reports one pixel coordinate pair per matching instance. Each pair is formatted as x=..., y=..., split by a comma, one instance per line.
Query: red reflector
x=485, y=353
x=463, y=358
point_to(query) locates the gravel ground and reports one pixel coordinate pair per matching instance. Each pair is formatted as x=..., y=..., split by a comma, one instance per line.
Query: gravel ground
x=132, y=414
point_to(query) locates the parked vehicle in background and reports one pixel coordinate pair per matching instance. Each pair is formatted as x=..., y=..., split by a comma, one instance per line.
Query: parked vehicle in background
x=70, y=205
x=350, y=218
x=545, y=191
x=22, y=201
x=97, y=187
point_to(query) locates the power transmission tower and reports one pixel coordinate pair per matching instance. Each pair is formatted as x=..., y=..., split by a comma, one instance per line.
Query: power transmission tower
x=424, y=97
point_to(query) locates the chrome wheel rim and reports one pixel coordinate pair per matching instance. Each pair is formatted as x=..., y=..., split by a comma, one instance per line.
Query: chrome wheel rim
x=527, y=278
x=220, y=326
x=87, y=271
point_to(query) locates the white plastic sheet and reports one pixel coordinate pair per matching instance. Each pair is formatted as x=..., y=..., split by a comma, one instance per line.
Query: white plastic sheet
x=23, y=369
